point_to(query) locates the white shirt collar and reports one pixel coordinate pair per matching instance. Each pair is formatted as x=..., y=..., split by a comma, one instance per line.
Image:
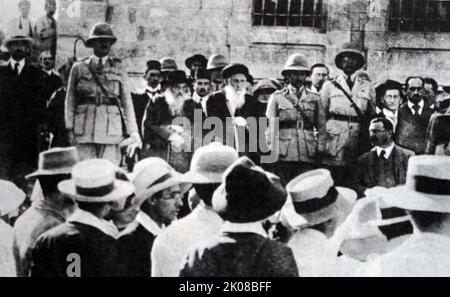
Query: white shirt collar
x=421, y=104
x=96, y=59
x=196, y=97
x=148, y=223
x=153, y=90
x=390, y=113
x=87, y=218
x=255, y=227
x=51, y=71
x=13, y=62
x=387, y=150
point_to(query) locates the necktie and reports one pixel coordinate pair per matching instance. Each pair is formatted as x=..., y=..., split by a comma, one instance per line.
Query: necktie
x=350, y=82
x=16, y=69
x=382, y=154
x=100, y=63
x=416, y=108
x=20, y=23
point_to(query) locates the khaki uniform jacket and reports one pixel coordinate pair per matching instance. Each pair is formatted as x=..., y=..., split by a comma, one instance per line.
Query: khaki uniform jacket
x=296, y=134
x=45, y=36
x=98, y=123
x=343, y=137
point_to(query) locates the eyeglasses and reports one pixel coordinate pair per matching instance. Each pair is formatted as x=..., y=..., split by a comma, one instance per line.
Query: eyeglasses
x=413, y=89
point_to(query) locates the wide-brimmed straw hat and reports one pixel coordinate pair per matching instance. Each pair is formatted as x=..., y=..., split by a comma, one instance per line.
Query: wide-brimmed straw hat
x=56, y=161
x=209, y=163
x=427, y=186
x=152, y=176
x=18, y=38
x=316, y=199
x=95, y=181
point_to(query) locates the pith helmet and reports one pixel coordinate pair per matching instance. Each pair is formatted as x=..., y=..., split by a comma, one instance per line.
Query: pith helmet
x=296, y=62
x=353, y=49
x=101, y=31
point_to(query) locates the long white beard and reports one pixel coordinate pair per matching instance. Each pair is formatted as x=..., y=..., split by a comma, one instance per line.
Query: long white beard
x=175, y=102
x=237, y=99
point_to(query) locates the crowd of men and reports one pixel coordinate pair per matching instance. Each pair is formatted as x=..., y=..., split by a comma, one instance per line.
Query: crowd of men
x=140, y=183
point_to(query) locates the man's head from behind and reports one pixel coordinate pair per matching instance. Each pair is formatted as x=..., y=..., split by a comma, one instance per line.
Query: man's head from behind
x=381, y=132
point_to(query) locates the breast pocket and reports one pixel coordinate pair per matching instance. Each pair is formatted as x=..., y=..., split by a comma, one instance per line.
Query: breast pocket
x=80, y=119
x=114, y=125
x=86, y=85
x=287, y=113
x=113, y=82
x=285, y=141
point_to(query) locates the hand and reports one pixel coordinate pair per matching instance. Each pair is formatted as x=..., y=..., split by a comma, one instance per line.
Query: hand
x=240, y=122
x=70, y=136
x=176, y=141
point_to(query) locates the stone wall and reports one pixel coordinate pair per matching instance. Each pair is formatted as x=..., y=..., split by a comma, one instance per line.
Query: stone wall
x=149, y=29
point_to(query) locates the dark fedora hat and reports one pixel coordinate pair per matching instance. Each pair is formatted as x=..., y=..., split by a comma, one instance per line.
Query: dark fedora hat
x=177, y=77
x=153, y=65
x=350, y=48
x=248, y=194
x=235, y=68
x=101, y=31
x=197, y=57
x=203, y=74
x=18, y=38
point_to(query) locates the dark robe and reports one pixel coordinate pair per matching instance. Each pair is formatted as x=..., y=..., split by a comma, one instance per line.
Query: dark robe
x=97, y=252
x=55, y=118
x=135, y=246
x=51, y=83
x=251, y=255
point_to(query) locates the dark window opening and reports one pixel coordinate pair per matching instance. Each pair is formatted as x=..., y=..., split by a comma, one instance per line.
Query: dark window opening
x=292, y=13
x=419, y=15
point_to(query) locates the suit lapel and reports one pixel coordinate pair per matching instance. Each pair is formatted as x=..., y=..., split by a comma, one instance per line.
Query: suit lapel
x=373, y=167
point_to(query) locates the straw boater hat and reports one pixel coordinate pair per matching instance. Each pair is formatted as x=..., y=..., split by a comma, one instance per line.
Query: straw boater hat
x=154, y=176
x=248, y=193
x=56, y=161
x=100, y=31
x=316, y=199
x=427, y=186
x=364, y=236
x=95, y=181
x=209, y=163
x=353, y=49
x=296, y=62
x=11, y=197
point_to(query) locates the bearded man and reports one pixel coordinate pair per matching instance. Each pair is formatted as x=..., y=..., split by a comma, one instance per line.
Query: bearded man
x=232, y=103
x=161, y=137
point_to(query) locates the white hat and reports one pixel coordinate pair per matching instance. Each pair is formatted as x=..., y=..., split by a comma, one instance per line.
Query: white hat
x=11, y=197
x=427, y=186
x=142, y=164
x=152, y=176
x=94, y=181
x=56, y=161
x=316, y=199
x=209, y=163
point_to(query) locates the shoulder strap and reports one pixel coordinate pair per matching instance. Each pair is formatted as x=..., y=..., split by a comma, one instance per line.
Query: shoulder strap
x=301, y=111
x=353, y=104
x=116, y=99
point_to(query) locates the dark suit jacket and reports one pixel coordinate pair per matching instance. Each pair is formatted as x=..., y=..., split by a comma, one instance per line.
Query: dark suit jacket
x=364, y=175
x=411, y=132
x=97, y=251
x=251, y=255
x=140, y=101
x=134, y=246
x=51, y=83
x=22, y=109
x=55, y=118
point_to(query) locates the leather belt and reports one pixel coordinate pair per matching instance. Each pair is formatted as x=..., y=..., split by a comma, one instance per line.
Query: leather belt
x=99, y=100
x=345, y=118
x=300, y=125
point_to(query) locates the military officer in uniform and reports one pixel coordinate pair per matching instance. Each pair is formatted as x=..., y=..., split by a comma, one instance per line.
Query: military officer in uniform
x=301, y=122
x=349, y=102
x=99, y=111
